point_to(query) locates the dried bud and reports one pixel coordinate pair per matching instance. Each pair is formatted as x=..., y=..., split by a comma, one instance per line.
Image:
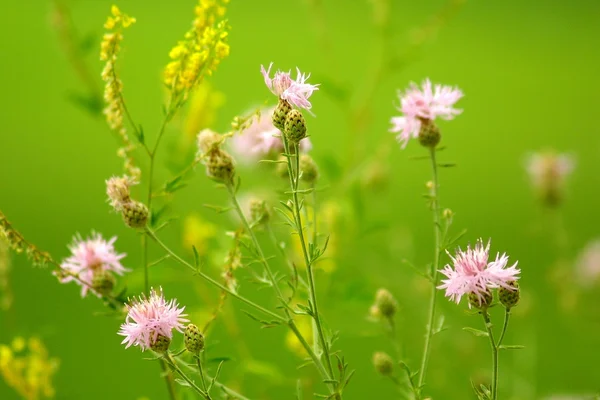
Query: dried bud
x=161, y=344
x=117, y=189
x=259, y=212
x=308, y=167
x=509, y=298
x=193, y=339
x=429, y=135
x=386, y=303
x=135, y=214
x=207, y=140
x=383, y=363
x=279, y=114
x=481, y=303
x=219, y=165
x=103, y=282
x=295, y=126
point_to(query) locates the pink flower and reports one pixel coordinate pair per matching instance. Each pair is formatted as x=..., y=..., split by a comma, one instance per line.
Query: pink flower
x=89, y=257
x=261, y=138
x=473, y=273
x=296, y=92
x=588, y=264
x=149, y=317
x=428, y=103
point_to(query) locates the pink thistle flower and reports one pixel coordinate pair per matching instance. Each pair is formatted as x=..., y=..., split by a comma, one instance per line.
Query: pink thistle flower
x=427, y=103
x=149, y=317
x=89, y=257
x=262, y=139
x=588, y=264
x=296, y=92
x=474, y=273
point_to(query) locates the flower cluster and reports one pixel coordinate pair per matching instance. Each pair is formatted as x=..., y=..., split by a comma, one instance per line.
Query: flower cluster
x=296, y=92
x=150, y=322
x=474, y=275
x=91, y=264
x=200, y=52
x=549, y=171
x=18, y=244
x=420, y=107
x=113, y=87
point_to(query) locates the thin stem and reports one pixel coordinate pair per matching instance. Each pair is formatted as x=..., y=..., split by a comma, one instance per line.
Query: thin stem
x=201, y=371
x=294, y=179
x=488, y=327
x=504, y=325
x=171, y=361
x=211, y=280
x=168, y=380
x=433, y=273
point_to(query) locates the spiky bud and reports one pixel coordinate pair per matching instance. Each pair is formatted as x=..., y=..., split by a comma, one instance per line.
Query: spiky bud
x=481, y=303
x=295, y=126
x=193, y=339
x=103, y=282
x=383, y=363
x=429, y=135
x=135, y=214
x=308, y=167
x=509, y=298
x=161, y=344
x=220, y=165
x=386, y=303
x=259, y=212
x=279, y=114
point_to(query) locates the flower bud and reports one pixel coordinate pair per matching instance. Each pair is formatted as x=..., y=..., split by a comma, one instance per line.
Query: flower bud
x=509, y=298
x=193, y=339
x=259, y=212
x=383, y=363
x=481, y=303
x=447, y=214
x=279, y=114
x=117, y=190
x=220, y=165
x=429, y=135
x=206, y=140
x=161, y=344
x=135, y=214
x=386, y=303
x=308, y=167
x=295, y=126
x=103, y=282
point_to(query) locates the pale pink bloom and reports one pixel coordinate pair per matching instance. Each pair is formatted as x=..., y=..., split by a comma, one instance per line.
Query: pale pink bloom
x=474, y=273
x=549, y=168
x=148, y=317
x=261, y=139
x=296, y=92
x=89, y=257
x=428, y=103
x=588, y=264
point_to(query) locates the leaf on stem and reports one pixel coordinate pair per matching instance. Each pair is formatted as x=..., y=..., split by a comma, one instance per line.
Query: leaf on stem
x=475, y=332
x=511, y=347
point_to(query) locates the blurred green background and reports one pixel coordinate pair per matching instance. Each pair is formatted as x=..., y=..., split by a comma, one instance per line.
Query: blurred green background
x=529, y=70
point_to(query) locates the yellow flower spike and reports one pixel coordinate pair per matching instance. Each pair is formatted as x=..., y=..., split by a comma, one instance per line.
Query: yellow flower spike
x=114, y=10
x=18, y=344
x=197, y=233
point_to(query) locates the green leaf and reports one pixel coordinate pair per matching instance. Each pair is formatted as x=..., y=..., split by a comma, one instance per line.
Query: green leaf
x=196, y=257
x=475, y=332
x=182, y=382
x=511, y=347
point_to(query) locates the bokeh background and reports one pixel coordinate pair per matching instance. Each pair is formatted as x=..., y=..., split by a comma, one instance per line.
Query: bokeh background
x=529, y=70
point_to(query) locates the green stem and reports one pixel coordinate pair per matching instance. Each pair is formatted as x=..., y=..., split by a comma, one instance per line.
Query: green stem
x=171, y=361
x=211, y=280
x=294, y=180
x=169, y=380
x=433, y=273
x=488, y=327
x=504, y=325
x=201, y=371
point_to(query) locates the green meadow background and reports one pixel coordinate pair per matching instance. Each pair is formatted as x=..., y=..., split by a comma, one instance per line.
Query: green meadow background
x=529, y=71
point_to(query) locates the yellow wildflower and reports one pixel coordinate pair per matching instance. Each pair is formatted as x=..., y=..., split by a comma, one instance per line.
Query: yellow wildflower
x=28, y=370
x=204, y=46
x=113, y=87
x=204, y=104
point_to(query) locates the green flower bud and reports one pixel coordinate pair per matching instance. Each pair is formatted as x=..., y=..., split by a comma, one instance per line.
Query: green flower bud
x=429, y=135
x=295, y=126
x=161, y=344
x=509, y=298
x=193, y=339
x=220, y=165
x=279, y=114
x=135, y=214
x=383, y=363
x=481, y=303
x=386, y=303
x=103, y=282
x=308, y=167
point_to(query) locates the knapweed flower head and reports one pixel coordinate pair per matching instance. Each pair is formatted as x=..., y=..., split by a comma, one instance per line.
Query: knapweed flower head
x=220, y=166
x=296, y=92
x=421, y=106
x=473, y=274
x=261, y=139
x=150, y=320
x=548, y=171
x=90, y=257
x=117, y=190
